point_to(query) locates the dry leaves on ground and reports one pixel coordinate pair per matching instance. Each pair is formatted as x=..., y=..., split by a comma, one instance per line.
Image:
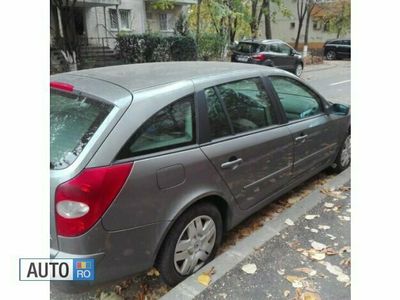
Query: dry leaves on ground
x=249, y=268
x=318, y=246
x=289, y=222
x=153, y=272
x=205, y=277
x=333, y=193
x=311, y=217
x=308, y=271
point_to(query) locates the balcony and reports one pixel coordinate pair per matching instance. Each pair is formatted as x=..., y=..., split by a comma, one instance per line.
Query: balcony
x=178, y=2
x=94, y=3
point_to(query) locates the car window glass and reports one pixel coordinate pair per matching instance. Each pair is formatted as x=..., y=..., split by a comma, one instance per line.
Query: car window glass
x=297, y=101
x=262, y=48
x=171, y=127
x=285, y=49
x=247, y=104
x=247, y=47
x=347, y=42
x=274, y=48
x=219, y=124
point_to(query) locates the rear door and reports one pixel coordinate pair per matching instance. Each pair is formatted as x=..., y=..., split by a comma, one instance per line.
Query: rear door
x=246, y=144
x=314, y=135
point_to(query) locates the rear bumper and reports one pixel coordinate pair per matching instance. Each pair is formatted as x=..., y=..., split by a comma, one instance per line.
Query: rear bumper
x=122, y=253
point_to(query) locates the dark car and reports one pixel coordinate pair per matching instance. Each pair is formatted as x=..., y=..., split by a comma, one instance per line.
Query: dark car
x=151, y=163
x=273, y=53
x=337, y=49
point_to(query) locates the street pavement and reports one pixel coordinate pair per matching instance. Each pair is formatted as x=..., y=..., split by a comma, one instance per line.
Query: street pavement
x=332, y=79
x=283, y=269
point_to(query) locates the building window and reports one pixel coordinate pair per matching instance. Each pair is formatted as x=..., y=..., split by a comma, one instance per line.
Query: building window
x=316, y=25
x=163, y=22
x=123, y=19
x=292, y=25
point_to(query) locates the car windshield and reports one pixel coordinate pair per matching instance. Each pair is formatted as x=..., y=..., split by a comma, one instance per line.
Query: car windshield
x=73, y=121
x=247, y=47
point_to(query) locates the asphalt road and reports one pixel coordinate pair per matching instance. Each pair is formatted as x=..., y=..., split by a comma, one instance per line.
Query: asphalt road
x=332, y=79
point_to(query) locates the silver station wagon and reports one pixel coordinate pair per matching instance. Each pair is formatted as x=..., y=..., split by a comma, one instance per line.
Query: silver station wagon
x=151, y=163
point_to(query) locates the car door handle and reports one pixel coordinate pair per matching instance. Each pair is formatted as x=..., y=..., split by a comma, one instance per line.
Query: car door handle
x=301, y=138
x=232, y=164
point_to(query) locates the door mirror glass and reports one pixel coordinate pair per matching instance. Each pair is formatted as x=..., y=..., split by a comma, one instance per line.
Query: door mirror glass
x=339, y=109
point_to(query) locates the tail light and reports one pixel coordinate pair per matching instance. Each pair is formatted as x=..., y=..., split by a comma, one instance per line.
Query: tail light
x=259, y=57
x=81, y=201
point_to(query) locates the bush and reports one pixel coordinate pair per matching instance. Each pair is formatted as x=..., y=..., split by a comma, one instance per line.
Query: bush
x=140, y=48
x=211, y=46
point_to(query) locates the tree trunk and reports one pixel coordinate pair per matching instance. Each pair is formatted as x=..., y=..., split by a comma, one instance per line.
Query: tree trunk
x=301, y=13
x=198, y=22
x=267, y=17
x=305, y=48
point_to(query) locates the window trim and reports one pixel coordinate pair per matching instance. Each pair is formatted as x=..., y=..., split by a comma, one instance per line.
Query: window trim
x=318, y=97
x=206, y=136
x=166, y=149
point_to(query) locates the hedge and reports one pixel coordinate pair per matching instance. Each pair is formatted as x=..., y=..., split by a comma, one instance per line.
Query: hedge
x=141, y=48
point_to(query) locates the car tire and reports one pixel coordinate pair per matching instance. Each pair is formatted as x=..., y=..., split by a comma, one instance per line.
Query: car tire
x=298, y=70
x=343, y=158
x=330, y=55
x=171, y=263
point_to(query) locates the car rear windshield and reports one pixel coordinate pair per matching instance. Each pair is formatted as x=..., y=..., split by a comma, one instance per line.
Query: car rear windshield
x=247, y=47
x=73, y=121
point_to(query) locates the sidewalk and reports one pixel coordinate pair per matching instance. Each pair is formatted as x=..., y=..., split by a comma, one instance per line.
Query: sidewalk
x=304, y=255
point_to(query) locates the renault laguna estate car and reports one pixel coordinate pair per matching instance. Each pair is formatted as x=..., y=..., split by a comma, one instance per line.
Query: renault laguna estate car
x=151, y=163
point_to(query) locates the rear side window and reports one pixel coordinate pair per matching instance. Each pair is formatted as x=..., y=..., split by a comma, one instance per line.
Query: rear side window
x=247, y=104
x=73, y=121
x=247, y=47
x=297, y=100
x=171, y=127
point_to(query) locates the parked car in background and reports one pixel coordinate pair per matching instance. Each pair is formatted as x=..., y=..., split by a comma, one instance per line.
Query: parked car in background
x=273, y=53
x=337, y=49
x=151, y=163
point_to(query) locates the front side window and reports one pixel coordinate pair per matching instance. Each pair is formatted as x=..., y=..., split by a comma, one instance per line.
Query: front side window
x=171, y=127
x=297, y=100
x=247, y=104
x=285, y=49
x=274, y=48
x=73, y=121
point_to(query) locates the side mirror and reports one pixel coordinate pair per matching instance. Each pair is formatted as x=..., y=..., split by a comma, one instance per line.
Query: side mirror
x=338, y=109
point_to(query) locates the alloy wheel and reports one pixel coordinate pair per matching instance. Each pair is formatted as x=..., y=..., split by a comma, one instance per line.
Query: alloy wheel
x=346, y=152
x=299, y=70
x=331, y=55
x=195, y=245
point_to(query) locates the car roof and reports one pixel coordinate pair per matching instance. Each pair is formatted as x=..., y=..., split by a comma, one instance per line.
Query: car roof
x=257, y=41
x=134, y=77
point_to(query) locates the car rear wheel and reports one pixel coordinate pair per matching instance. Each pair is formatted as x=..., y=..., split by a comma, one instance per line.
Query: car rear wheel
x=343, y=158
x=330, y=55
x=191, y=243
x=299, y=70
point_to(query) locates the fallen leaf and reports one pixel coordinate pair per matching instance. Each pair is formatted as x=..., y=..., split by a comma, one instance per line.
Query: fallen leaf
x=329, y=205
x=293, y=278
x=343, y=278
x=286, y=293
x=311, y=217
x=314, y=254
x=314, y=230
x=281, y=271
x=204, y=279
x=344, y=188
x=330, y=251
x=249, y=268
x=344, y=218
x=336, y=270
x=324, y=227
x=346, y=262
x=332, y=237
x=110, y=296
x=297, y=284
x=310, y=296
x=153, y=272
x=308, y=271
x=317, y=245
x=289, y=222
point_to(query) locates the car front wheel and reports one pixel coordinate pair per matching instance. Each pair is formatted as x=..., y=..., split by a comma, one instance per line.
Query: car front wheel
x=299, y=70
x=191, y=243
x=343, y=158
x=330, y=55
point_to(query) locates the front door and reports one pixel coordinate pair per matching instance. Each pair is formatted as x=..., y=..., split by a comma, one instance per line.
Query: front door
x=248, y=148
x=314, y=137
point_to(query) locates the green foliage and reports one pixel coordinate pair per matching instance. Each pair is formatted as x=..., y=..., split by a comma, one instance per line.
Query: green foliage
x=163, y=4
x=211, y=46
x=141, y=48
x=182, y=25
x=338, y=17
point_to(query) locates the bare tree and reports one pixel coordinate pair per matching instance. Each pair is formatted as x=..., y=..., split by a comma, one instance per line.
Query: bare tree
x=302, y=6
x=256, y=15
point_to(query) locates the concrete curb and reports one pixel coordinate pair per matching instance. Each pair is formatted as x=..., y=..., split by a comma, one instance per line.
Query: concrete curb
x=190, y=288
x=319, y=68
